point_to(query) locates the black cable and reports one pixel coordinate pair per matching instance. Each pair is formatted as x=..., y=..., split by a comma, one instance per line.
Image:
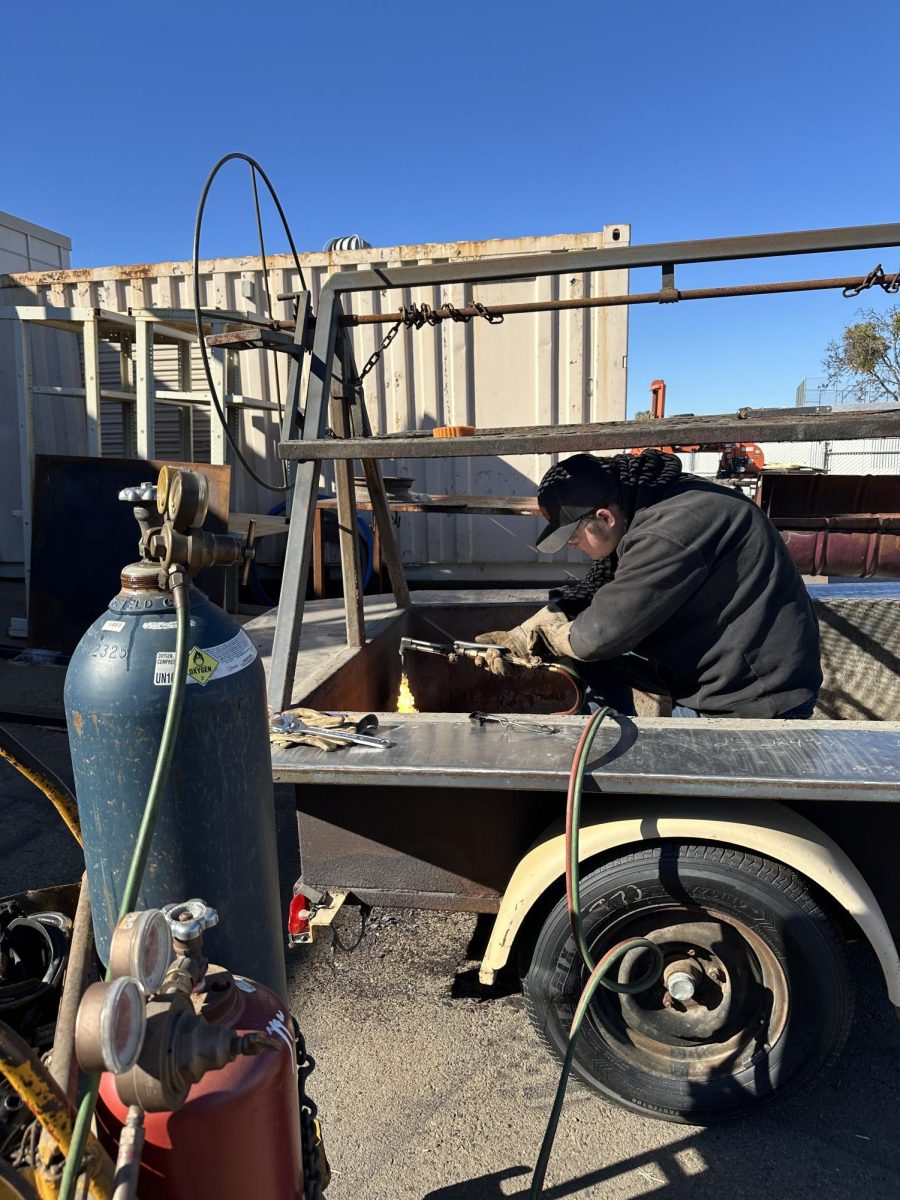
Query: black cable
x=198, y=315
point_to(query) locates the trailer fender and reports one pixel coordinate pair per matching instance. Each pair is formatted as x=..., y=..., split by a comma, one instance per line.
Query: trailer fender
x=762, y=827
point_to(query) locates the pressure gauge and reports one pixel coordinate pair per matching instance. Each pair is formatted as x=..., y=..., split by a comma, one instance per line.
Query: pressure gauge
x=163, y=485
x=141, y=946
x=183, y=497
x=110, y=1026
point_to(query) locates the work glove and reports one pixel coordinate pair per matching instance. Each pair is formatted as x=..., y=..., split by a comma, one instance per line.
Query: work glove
x=323, y=721
x=548, y=629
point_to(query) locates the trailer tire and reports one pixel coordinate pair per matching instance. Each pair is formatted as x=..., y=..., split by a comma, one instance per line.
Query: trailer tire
x=772, y=1000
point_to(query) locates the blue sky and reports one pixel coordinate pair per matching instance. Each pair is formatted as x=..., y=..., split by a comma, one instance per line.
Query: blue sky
x=432, y=122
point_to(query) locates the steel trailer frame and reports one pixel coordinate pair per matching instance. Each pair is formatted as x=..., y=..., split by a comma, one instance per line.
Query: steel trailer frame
x=333, y=382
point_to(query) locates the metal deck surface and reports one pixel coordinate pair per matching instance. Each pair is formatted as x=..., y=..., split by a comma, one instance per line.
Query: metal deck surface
x=777, y=760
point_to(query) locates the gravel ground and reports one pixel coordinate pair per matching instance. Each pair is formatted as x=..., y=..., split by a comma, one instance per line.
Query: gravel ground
x=427, y=1091
x=430, y=1089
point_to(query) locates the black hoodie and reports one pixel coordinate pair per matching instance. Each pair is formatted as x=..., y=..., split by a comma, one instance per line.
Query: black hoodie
x=706, y=590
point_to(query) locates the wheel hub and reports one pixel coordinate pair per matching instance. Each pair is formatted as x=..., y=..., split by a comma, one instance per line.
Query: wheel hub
x=721, y=998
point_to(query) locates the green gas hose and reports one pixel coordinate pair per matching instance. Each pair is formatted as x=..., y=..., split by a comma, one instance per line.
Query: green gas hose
x=155, y=795
x=598, y=971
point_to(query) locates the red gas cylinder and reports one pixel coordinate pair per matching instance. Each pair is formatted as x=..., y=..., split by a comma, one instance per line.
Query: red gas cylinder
x=238, y=1133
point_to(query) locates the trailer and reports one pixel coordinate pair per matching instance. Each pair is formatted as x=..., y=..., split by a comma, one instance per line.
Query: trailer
x=750, y=851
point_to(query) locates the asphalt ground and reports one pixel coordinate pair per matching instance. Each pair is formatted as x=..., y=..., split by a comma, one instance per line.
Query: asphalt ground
x=431, y=1088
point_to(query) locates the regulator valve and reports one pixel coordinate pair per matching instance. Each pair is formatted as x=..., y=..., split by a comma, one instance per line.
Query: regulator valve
x=142, y=1025
x=171, y=513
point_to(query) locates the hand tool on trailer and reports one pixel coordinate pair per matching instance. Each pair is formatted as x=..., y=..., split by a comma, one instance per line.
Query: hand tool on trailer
x=483, y=718
x=285, y=725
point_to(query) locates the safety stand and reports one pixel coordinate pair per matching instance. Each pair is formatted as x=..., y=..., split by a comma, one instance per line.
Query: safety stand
x=333, y=392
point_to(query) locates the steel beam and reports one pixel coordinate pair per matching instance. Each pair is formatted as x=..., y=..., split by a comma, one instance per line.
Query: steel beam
x=93, y=418
x=345, y=491
x=303, y=509
x=617, y=258
x=291, y=420
x=144, y=388
x=746, y=425
x=723, y=758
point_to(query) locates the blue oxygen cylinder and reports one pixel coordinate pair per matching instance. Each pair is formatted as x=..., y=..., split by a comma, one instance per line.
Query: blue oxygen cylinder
x=215, y=836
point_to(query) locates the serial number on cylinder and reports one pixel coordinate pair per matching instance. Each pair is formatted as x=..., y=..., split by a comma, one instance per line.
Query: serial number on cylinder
x=110, y=651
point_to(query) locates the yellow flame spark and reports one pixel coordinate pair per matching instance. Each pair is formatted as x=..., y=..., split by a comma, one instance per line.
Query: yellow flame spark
x=406, y=701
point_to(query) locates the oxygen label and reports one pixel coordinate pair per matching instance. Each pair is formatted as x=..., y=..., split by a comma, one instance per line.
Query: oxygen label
x=231, y=656
x=204, y=664
x=201, y=666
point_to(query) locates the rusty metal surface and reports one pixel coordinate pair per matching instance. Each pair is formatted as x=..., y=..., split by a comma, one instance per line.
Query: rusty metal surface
x=665, y=254
x=78, y=972
x=454, y=360
x=758, y=425
x=835, y=552
x=777, y=760
x=418, y=847
x=793, y=495
x=841, y=525
x=371, y=679
x=46, y=1100
x=447, y=312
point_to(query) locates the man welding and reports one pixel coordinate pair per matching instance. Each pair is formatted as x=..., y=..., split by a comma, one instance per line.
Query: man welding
x=692, y=594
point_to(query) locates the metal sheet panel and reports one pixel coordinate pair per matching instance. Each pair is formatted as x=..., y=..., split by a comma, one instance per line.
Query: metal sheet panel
x=875, y=456
x=27, y=247
x=800, y=454
x=545, y=368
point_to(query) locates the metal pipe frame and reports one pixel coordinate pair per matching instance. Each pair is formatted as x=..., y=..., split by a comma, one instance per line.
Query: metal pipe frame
x=614, y=258
x=295, y=574
x=671, y=296
x=330, y=315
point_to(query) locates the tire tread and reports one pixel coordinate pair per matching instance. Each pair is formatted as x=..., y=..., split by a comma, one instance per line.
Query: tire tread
x=770, y=872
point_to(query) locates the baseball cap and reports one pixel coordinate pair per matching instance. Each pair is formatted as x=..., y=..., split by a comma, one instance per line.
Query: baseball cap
x=571, y=491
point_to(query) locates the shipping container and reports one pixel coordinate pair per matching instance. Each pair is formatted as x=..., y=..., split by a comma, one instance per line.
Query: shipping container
x=546, y=368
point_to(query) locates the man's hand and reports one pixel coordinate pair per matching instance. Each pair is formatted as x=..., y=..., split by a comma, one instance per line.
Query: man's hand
x=547, y=628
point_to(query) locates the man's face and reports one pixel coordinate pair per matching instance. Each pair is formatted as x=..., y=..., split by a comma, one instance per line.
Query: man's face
x=598, y=536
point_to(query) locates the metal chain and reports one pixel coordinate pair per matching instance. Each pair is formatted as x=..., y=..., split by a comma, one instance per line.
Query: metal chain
x=373, y=358
x=491, y=318
x=310, y=1137
x=418, y=315
x=875, y=278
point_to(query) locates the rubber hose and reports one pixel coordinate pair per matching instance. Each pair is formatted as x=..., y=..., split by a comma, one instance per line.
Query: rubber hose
x=47, y=1102
x=599, y=971
x=575, y=680
x=29, y=765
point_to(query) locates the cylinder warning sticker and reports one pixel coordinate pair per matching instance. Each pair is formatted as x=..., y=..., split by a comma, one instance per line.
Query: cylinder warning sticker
x=213, y=662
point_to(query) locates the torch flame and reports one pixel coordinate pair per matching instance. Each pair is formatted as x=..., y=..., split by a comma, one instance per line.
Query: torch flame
x=406, y=701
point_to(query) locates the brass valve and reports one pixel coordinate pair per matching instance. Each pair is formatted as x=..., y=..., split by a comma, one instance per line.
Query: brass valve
x=144, y=1025
x=172, y=534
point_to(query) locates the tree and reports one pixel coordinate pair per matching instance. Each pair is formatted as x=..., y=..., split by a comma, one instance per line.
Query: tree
x=865, y=361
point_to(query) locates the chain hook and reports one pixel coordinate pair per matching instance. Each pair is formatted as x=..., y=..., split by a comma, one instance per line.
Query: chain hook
x=875, y=278
x=491, y=318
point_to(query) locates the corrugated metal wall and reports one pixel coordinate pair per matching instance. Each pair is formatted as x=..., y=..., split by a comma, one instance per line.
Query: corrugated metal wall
x=869, y=456
x=27, y=247
x=874, y=456
x=546, y=368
